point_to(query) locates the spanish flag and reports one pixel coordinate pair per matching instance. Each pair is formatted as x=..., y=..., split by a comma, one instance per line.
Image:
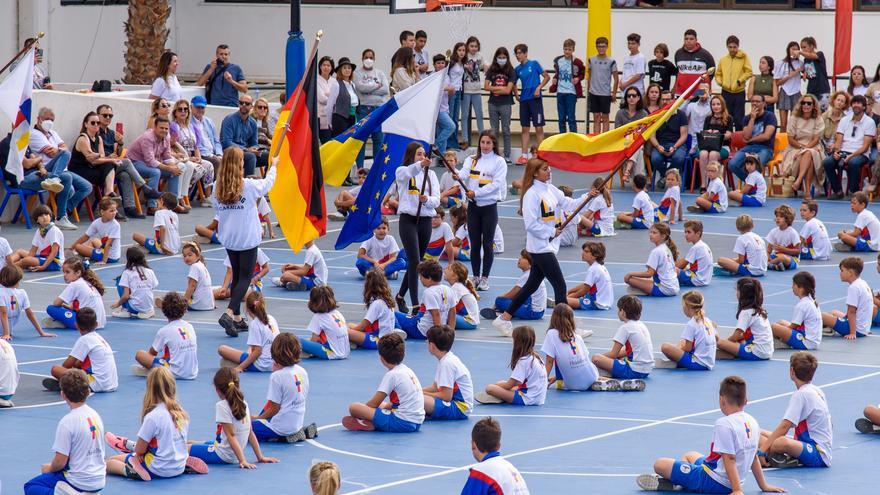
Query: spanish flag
x=298, y=193
x=602, y=152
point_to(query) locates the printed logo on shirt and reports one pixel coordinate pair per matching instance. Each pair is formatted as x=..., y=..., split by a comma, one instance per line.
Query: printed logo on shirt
x=184, y=334
x=13, y=303
x=574, y=347
x=412, y=188
x=748, y=430
x=297, y=382
x=547, y=213
x=93, y=428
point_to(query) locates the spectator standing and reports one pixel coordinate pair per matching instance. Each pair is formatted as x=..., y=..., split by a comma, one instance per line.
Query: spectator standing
x=602, y=70
x=788, y=78
x=372, y=87
x=660, y=69
x=532, y=79
x=423, y=59
x=209, y=144
x=403, y=69
x=759, y=133
x=223, y=80
x=712, y=148
x=87, y=159
x=630, y=111
x=343, y=98
x=803, y=157
x=500, y=83
x=764, y=84
x=852, y=145
x=471, y=98
x=569, y=72
x=445, y=125
x=166, y=84
x=697, y=112
x=633, y=65
x=239, y=130
x=858, y=84
x=669, y=142
x=692, y=61
x=455, y=76
x=326, y=68
x=41, y=79
x=732, y=73
x=815, y=72
x=152, y=150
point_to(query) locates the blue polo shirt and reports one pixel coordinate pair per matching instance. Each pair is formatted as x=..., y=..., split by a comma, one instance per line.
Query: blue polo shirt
x=238, y=133
x=529, y=75
x=223, y=93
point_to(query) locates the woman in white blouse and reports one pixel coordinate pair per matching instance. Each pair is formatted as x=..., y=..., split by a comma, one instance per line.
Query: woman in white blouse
x=166, y=84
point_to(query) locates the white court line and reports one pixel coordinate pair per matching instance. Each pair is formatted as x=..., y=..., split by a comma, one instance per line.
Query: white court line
x=586, y=475
x=42, y=361
x=35, y=406
x=591, y=438
x=41, y=346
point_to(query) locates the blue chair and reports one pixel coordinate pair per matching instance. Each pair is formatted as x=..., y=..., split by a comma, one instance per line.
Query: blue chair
x=23, y=195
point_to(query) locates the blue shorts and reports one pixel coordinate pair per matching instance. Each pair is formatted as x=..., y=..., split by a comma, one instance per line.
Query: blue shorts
x=129, y=459
x=862, y=246
x=792, y=261
x=715, y=208
x=261, y=430
x=371, y=341
x=622, y=370
x=157, y=361
x=841, y=326
x=215, y=239
x=639, y=223
x=53, y=266
x=251, y=366
x=694, y=478
x=744, y=271
x=45, y=483
x=531, y=112
x=796, y=341
x=385, y=420
x=657, y=292
x=310, y=281
x=98, y=255
x=518, y=398
x=448, y=410
x=409, y=324
x=745, y=353
x=687, y=362
x=810, y=456
x=525, y=312
x=463, y=322
x=751, y=201
x=205, y=451
x=588, y=304
x=806, y=253
x=152, y=246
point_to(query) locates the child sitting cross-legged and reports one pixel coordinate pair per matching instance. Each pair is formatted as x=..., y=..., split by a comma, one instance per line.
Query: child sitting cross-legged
x=451, y=395
x=208, y=234
x=90, y=353
x=804, y=331
x=467, y=310
x=695, y=269
x=176, y=341
x=752, y=340
x=631, y=356
x=642, y=215
x=714, y=200
x=437, y=307
x=84, y=290
x=815, y=244
x=47, y=248
x=670, y=206
x=865, y=235
x=597, y=292
x=135, y=287
x=14, y=301
x=382, y=252
x=660, y=278
x=783, y=242
x=262, y=330
x=567, y=359
x=696, y=350
x=527, y=385
x=101, y=242
x=166, y=227
x=329, y=331
x=754, y=189
x=312, y=272
x=750, y=250
x=860, y=309
x=379, y=319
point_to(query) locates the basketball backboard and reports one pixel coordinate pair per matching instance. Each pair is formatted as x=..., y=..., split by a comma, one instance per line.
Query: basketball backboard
x=407, y=6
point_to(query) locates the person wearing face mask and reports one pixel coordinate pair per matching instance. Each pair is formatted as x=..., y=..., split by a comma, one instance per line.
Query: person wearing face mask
x=371, y=85
x=500, y=80
x=454, y=78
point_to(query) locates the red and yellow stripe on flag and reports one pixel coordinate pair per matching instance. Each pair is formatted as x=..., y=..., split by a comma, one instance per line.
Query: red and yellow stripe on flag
x=298, y=194
x=602, y=152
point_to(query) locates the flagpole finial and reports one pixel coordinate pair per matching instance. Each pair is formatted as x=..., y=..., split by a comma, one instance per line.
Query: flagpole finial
x=710, y=71
x=319, y=34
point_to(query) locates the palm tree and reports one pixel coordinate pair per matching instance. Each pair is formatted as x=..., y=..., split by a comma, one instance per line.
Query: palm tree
x=147, y=33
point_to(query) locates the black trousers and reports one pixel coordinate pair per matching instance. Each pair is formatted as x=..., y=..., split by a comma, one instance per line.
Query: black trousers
x=414, y=235
x=736, y=105
x=544, y=265
x=481, y=222
x=242, y=267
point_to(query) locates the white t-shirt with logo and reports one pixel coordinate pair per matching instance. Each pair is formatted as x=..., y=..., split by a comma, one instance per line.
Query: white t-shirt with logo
x=808, y=411
x=404, y=391
x=699, y=258
x=380, y=250
x=644, y=208
x=332, y=331
x=8, y=369
x=603, y=214
x=859, y=294
x=634, y=336
x=737, y=435
x=660, y=260
x=464, y=296
x=702, y=333
x=757, y=329
x=869, y=226
x=381, y=317
x=539, y=297
x=453, y=374
x=169, y=459
x=107, y=231
x=532, y=377
x=718, y=193
x=315, y=259
x=80, y=294
x=140, y=282
x=600, y=284
x=758, y=186
x=241, y=429
x=572, y=360
x=80, y=436
x=168, y=219
x=787, y=238
x=815, y=235
x=439, y=297
x=97, y=360
x=808, y=316
x=44, y=243
x=754, y=249
x=202, y=296
x=15, y=301
x=177, y=344
x=262, y=335
x=289, y=388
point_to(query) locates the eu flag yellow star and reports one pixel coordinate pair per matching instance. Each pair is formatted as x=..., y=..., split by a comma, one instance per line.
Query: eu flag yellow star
x=370, y=209
x=384, y=174
x=354, y=208
x=387, y=159
x=384, y=147
x=377, y=194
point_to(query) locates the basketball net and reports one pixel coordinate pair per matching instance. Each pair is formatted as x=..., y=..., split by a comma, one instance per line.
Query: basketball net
x=458, y=14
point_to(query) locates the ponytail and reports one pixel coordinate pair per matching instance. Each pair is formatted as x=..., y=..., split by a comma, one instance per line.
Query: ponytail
x=256, y=305
x=75, y=263
x=461, y=276
x=663, y=229
x=324, y=478
x=807, y=283
x=226, y=382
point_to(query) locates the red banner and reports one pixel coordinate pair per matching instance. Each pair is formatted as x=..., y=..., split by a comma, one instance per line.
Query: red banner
x=842, y=36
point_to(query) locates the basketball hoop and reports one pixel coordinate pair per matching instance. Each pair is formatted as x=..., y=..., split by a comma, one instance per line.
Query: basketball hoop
x=458, y=14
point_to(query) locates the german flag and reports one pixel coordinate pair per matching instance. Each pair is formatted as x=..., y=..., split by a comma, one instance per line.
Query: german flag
x=298, y=194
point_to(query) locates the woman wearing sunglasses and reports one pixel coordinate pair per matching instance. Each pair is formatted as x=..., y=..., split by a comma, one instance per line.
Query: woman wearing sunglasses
x=632, y=110
x=802, y=159
x=87, y=159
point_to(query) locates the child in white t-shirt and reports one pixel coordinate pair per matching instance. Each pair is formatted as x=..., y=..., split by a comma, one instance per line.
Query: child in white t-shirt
x=696, y=350
x=47, y=248
x=750, y=251
x=91, y=353
x=199, y=294
x=808, y=414
x=283, y=415
x=101, y=242
x=329, y=338
x=313, y=272
x=14, y=301
x=379, y=319
x=631, y=356
x=405, y=410
x=450, y=190
x=532, y=308
x=437, y=307
x=734, y=443
x=467, y=309
x=262, y=330
x=714, y=200
x=859, y=316
x=381, y=252
x=783, y=242
x=208, y=234
x=660, y=278
x=161, y=449
x=346, y=199
x=642, y=215
x=599, y=215
x=232, y=415
x=670, y=206
x=261, y=269
x=84, y=290
x=166, y=228
x=754, y=189
x=451, y=395
x=567, y=359
x=804, y=331
x=175, y=346
x=461, y=244
x=78, y=463
x=527, y=385
x=9, y=376
x=597, y=291
x=752, y=340
x=695, y=269
x=865, y=235
x=440, y=244
x=135, y=287
x=6, y=253
x=815, y=244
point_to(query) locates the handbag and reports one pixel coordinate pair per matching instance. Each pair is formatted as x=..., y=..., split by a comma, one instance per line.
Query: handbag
x=709, y=141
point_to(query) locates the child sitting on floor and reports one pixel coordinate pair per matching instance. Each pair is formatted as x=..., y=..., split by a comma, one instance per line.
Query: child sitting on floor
x=631, y=356
x=313, y=272
x=438, y=304
x=597, y=291
x=815, y=244
x=451, y=395
x=14, y=301
x=208, y=234
x=783, y=242
x=752, y=340
x=750, y=251
x=84, y=290
x=381, y=252
x=670, y=206
x=261, y=269
x=176, y=341
x=860, y=310
x=101, y=242
x=714, y=200
x=90, y=353
x=450, y=190
x=527, y=385
x=346, y=199
x=754, y=189
x=696, y=350
x=166, y=227
x=467, y=310
x=533, y=308
x=695, y=269
x=9, y=375
x=262, y=330
x=660, y=278
x=865, y=235
x=199, y=294
x=379, y=319
x=47, y=248
x=642, y=215
x=804, y=331
x=135, y=287
x=440, y=244
x=329, y=332
x=566, y=357
x=599, y=216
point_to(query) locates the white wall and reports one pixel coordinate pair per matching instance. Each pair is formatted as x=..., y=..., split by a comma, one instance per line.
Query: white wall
x=8, y=29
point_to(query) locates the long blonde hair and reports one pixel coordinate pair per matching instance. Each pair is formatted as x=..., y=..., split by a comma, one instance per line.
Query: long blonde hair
x=161, y=388
x=694, y=301
x=264, y=120
x=230, y=176
x=324, y=478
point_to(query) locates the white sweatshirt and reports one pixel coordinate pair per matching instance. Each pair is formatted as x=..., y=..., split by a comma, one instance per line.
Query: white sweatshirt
x=409, y=183
x=488, y=179
x=544, y=208
x=239, y=223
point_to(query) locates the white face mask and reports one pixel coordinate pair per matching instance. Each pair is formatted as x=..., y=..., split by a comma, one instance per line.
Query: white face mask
x=47, y=125
x=368, y=63
x=501, y=61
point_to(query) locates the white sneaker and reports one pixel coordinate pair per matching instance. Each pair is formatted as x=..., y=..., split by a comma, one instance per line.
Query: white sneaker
x=52, y=184
x=277, y=282
x=65, y=224
x=49, y=322
x=663, y=363
x=484, y=284
x=6, y=403
x=64, y=488
x=584, y=333
x=138, y=370
x=146, y=315
x=336, y=217
x=399, y=332
x=120, y=313
x=503, y=326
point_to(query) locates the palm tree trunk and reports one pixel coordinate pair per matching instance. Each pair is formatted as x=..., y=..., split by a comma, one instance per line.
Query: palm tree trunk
x=147, y=33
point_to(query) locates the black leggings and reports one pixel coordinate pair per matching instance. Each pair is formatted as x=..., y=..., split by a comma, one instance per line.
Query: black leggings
x=481, y=222
x=543, y=265
x=242, y=267
x=414, y=235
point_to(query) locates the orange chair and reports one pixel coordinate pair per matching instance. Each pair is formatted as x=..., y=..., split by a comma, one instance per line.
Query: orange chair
x=780, y=144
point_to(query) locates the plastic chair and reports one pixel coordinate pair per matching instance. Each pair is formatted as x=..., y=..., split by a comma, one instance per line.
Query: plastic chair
x=23, y=195
x=780, y=144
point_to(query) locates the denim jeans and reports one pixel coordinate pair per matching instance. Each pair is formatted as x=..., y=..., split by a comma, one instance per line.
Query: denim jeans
x=565, y=104
x=454, y=113
x=76, y=189
x=661, y=163
x=127, y=176
x=853, y=172
x=736, y=162
x=445, y=128
x=151, y=175
x=376, y=136
x=471, y=101
x=499, y=119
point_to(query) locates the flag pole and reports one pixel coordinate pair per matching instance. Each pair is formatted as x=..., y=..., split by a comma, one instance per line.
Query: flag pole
x=297, y=93
x=422, y=191
x=21, y=52
x=435, y=152
x=583, y=205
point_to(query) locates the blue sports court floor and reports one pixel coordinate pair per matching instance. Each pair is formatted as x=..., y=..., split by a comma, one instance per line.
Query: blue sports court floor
x=576, y=443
